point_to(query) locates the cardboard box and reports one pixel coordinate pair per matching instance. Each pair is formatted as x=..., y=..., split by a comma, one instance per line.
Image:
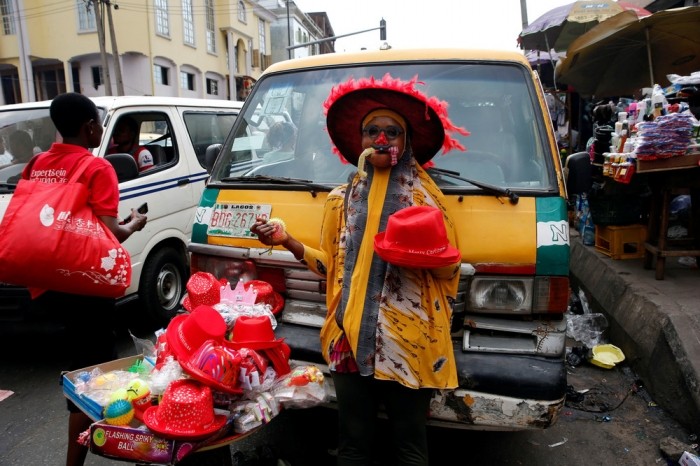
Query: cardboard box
x=86, y=404
x=136, y=444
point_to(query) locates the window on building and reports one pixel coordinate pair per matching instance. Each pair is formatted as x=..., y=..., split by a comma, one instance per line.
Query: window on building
x=211, y=29
x=241, y=11
x=261, y=36
x=187, y=80
x=98, y=77
x=160, y=73
x=212, y=86
x=187, y=22
x=86, y=16
x=162, y=26
x=8, y=22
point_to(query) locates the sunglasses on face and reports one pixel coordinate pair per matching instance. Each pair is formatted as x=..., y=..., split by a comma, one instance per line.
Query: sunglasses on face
x=391, y=132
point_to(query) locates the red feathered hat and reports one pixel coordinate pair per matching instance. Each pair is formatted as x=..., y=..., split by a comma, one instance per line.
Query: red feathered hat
x=426, y=117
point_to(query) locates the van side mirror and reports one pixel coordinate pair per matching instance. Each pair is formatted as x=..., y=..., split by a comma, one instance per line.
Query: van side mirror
x=124, y=165
x=210, y=156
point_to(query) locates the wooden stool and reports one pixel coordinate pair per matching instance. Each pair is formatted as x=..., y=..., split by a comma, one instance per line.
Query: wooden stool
x=658, y=245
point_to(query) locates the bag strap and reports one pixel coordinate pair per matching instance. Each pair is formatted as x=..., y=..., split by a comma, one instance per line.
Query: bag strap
x=80, y=168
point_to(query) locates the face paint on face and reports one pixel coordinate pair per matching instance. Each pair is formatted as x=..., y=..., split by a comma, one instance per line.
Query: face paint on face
x=386, y=150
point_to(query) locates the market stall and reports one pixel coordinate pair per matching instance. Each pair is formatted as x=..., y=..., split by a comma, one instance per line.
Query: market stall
x=641, y=162
x=215, y=375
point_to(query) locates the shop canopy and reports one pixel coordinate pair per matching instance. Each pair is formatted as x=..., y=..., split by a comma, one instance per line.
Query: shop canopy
x=626, y=53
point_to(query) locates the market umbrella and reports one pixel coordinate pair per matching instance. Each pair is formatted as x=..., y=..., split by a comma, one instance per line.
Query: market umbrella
x=557, y=28
x=626, y=53
x=544, y=63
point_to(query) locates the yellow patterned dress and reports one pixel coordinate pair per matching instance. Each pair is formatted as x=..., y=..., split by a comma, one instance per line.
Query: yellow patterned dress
x=385, y=321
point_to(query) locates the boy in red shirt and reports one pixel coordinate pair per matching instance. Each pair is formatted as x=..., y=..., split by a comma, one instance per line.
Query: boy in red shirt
x=89, y=332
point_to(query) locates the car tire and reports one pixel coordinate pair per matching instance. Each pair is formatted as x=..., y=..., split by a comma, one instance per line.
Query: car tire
x=162, y=285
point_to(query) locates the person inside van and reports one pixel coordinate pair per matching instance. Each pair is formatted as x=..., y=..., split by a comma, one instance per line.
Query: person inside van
x=386, y=337
x=89, y=329
x=125, y=140
x=20, y=145
x=282, y=138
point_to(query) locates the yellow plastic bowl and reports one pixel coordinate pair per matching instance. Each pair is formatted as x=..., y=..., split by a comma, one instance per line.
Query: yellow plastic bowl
x=606, y=356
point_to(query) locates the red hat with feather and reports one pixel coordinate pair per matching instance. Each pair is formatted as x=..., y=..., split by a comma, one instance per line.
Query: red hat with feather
x=428, y=123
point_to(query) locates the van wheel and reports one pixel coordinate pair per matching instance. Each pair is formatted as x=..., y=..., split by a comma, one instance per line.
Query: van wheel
x=163, y=285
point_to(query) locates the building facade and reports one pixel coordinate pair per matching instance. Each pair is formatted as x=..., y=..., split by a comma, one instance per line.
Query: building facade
x=213, y=49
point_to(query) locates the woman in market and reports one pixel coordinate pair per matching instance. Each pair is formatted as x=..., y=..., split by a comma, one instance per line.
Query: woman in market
x=386, y=336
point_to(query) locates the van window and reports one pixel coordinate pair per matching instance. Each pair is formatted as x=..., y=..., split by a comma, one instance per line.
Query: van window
x=154, y=133
x=37, y=130
x=207, y=128
x=486, y=99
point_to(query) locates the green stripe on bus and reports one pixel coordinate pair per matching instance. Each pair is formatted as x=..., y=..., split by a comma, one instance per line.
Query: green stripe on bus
x=202, y=215
x=553, y=246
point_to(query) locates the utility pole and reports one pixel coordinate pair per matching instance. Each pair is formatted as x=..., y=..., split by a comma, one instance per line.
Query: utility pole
x=115, y=52
x=523, y=13
x=101, y=38
x=289, y=32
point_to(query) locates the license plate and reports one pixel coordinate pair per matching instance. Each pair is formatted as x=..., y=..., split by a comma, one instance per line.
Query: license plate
x=235, y=220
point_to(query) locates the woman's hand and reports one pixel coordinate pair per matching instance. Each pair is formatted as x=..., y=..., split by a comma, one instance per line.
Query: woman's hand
x=268, y=234
x=264, y=231
x=270, y=231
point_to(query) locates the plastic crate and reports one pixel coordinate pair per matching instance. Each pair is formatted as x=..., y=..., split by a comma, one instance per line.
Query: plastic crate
x=621, y=242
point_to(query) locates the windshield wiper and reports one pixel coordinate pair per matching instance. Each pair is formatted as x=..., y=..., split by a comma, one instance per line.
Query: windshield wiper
x=277, y=180
x=485, y=186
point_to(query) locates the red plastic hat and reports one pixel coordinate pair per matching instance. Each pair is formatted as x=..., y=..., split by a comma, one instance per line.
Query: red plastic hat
x=202, y=288
x=186, y=412
x=279, y=358
x=416, y=237
x=215, y=365
x=426, y=117
x=266, y=295
x=253, y=332
x=187, y=332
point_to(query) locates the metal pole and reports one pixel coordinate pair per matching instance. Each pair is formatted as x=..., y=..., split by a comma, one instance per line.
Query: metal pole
x=651, y=65
x=289, y=33
x=523, y=13
x=103, y=52
x=115, y=52
x=26, y=75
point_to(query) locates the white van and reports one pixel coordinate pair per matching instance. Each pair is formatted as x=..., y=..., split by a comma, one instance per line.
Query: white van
x=177, y=132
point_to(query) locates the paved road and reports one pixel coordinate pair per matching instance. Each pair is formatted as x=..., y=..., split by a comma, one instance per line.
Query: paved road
x=33, y=430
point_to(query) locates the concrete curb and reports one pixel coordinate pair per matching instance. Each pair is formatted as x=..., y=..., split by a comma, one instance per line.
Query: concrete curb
x=656, y=323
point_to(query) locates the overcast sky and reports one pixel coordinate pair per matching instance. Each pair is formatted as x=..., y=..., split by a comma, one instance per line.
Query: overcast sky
x=493, y=24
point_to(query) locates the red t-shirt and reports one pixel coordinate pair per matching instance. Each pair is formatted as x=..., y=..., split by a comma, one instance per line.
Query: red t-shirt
x=56, y=166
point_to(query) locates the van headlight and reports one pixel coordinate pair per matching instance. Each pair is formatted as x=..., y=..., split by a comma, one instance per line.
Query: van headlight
x=496, y=294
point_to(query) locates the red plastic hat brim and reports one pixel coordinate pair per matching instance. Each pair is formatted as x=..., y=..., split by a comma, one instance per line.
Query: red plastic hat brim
x=279, y=303
x=149, y=418
x=255, y=345
x=390, y=254
x=174, y=344
x=187, y=304
x=197, y=374
x=279, y=359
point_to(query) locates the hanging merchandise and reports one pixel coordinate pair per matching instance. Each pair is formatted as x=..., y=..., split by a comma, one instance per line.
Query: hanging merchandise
x=586, y=228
